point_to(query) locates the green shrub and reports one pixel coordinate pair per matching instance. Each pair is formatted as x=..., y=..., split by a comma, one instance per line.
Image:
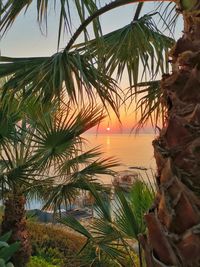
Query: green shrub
x=55, y=244
x=39, y=262
x=6, y=250
x=52, y=255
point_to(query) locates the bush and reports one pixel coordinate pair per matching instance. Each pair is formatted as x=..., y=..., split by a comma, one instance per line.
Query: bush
x=52, y=255
x=55, y=244
x=7, y=250
x=39, y=262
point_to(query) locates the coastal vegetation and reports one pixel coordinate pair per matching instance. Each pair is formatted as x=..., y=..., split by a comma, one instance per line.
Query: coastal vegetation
x=40, y=130
x=41, y=157
x=115, y=230
x=55, y=245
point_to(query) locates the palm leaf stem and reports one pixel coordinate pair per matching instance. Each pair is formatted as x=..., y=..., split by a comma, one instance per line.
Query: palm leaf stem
x=99, y=12
x=138, y=11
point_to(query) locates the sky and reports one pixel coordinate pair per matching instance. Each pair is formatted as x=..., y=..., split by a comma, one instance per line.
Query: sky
x=26, y=39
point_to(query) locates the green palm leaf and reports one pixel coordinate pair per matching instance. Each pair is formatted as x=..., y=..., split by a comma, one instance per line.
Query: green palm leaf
x=8, y=119
x=138, y=44
x=17, y=168
x=125, y=218
x=58, y=136
x=141, y=198
x=57, y=195
x=150, y=106
x=76, y=225
x=9, y=116
x=102, y=206
x=102, y=237
x=100, y=166
x=67, y=73
x=130, y=210
x=110, y=234
x=83, y=176
x=11, y=9
x=86, y=157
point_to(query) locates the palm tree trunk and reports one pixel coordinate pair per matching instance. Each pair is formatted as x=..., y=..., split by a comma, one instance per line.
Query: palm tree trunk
x=14, y=220
x=173, y=237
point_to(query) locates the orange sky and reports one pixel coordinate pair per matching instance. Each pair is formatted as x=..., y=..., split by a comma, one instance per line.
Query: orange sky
x=128, y=121
x=25, y=39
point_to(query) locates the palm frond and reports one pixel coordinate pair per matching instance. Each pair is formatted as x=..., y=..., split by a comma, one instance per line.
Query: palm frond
x=76, y=225
x=64, y=189
x=83, y=158
x=82, y=177
x=109, y=233
x=67, y=73
x=58, y=137
x=9, y=116
x=18, y=169
x=102, y=207
x=11, y=9
x=99, y=239
x=168, y=16
x=125, y=218
x=57, y=195
x=99, y=166
x=150, y=106
x=141, y=198
x=8, y=119
x=138, y=44
x=32, y=109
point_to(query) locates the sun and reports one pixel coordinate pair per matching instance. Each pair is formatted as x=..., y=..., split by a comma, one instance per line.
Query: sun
x=108, y=129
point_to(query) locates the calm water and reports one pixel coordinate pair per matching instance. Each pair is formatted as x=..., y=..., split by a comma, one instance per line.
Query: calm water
x=130, y=150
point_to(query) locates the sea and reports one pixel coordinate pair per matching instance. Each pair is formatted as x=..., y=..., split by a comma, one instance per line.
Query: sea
x=129, y=149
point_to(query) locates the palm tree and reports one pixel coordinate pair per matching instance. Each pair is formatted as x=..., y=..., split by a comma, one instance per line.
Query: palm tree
x=41, y=154
x=173, y=222
x=115, y=230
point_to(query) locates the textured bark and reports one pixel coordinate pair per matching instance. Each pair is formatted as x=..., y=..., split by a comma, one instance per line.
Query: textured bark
x=173, y=237
x=14, y=220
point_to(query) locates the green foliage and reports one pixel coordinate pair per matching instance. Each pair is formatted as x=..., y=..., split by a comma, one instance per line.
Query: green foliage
x=11, y=9
x=40, y=262
x=50, y=138
x=58, y=246
x=50, y=77
x=80, y=70
x=54, y=244
x=7, y=250
x=52, y=255
x=150, y=106
x=148, y=48
x=130, y=209
x=31, y=148
x=113, y=237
